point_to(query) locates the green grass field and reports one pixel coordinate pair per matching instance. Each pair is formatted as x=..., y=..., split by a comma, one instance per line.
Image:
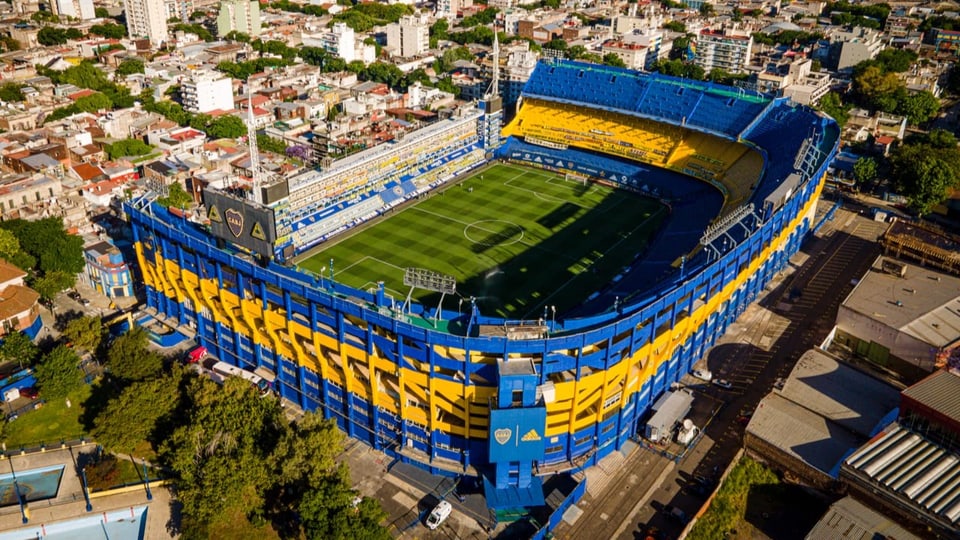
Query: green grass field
x=517, y=239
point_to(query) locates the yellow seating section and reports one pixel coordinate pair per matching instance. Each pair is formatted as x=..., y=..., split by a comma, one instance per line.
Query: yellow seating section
x=683, y=150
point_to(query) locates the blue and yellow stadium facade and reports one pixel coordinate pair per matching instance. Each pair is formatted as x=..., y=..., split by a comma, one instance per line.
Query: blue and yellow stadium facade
x=487, y=403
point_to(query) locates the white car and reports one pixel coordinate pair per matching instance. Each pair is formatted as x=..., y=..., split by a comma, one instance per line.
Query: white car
x=439, y=514
x=723, y=383
x=702, y=374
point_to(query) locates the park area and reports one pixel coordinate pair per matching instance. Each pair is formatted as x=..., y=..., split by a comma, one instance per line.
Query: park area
x=516, y=239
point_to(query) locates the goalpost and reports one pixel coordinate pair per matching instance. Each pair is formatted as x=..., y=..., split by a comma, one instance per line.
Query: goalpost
x=576, y=177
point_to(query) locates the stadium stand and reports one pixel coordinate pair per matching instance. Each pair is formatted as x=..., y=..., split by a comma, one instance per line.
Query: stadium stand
x=706, y=106
x=448, y=399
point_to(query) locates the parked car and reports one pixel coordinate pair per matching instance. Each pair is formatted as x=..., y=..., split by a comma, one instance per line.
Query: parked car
x=74, y=295
x=702, y=374
x=84, y=301
x=723, y=383
x=675, y=513
x=29, y=393
x=439, y=514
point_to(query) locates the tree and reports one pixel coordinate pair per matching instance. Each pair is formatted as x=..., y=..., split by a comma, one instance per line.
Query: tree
x=177, y=197
x=305, y=464
x=46, y=241
x=130, y=360
x=895, y=60
x=237, y=36
x=85, y=333
x=134, y=416
x=576, y=52
x=226, y=127
x=328, y=512
x=221, y=452
x=877, y=89
x=101, y=13
x=51, y=283
x=10, y=44
x=11, y=92
x=9, y=245
x=128, y=147
x=93, y=103
x=49, y=36
x=109, y=30
x=269, y=144
x=612, y=59
x=919, y=107
x=130, y=66
x=925, y=172
x=865, y=170
x=58, y=372
x=44, y=17
x=832, y=105
x=675, y=26
x=17, y=347
x=557, y=44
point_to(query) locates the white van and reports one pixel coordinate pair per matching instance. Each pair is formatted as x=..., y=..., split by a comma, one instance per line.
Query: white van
x=439, y=514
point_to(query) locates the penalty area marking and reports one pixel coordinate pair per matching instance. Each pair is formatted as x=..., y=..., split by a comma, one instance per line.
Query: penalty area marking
x=513, y=239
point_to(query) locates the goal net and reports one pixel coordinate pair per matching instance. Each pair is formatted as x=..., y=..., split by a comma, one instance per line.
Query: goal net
x=576, y=177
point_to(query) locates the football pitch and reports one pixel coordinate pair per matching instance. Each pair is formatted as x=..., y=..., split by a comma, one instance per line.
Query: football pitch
x=516, y=239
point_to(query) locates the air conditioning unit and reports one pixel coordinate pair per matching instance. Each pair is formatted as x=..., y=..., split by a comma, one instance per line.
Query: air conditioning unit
x=893, y=267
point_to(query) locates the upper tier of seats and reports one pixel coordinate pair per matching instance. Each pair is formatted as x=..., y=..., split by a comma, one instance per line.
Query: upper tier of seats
x=700, y=105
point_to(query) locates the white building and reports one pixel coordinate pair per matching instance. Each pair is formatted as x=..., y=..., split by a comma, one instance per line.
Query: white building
x=649, y=19
x=339, y=41
x=78, y=9
x=207, y=91
x=448, y=9
x=146, y=19
x=850, y=46
x=633, y=55
x=239, y=16
x=652, y=40
x=728, y=50
x=795, y=80
x=410, y=36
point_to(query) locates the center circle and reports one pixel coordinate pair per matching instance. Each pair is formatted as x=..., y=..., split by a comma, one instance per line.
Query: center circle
x=493, y=232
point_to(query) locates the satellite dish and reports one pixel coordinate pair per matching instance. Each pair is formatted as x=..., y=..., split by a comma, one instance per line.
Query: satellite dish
x=688, y=424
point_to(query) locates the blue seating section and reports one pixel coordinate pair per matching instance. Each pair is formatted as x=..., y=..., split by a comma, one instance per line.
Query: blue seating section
x=780, y=132
x=706, y=106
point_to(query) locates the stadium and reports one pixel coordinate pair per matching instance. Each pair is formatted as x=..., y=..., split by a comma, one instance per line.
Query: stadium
x=512, y=391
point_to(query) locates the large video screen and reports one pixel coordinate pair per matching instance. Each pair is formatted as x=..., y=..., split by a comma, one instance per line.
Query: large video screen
x=241, y=222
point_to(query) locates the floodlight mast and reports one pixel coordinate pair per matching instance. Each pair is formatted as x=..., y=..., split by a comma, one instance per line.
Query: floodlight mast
x=421, y=278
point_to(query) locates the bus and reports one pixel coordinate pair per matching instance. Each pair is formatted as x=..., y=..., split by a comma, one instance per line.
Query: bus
x=220, y=371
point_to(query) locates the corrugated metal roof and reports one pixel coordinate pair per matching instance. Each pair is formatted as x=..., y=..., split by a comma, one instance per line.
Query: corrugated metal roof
x=917, y=469
x=848, y=519
x=940, y=391
x=801, y=433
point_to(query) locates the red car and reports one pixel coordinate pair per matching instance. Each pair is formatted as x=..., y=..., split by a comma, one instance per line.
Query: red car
x=29, y=392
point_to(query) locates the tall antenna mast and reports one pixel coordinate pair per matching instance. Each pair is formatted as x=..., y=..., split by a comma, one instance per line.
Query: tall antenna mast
x=494, y=90
x=252, y=145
